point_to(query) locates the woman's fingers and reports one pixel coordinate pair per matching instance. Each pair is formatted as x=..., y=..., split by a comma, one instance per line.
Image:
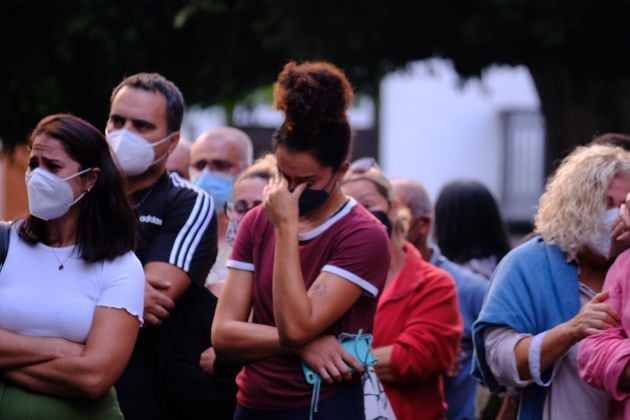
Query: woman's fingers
x=348, y=359
x=299, y=189
x=621, y=229
x=330, y=373
x=599, y=316
x=337, y=369
x=604, y=309
x=600, y=297
x=323, y=372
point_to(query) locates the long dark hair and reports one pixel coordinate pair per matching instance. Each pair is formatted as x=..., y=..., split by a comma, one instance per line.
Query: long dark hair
x=468, y=223
x=314, y=97
x=107, y=224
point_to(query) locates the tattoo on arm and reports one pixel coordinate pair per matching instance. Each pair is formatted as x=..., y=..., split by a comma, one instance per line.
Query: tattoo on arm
x=318, y=289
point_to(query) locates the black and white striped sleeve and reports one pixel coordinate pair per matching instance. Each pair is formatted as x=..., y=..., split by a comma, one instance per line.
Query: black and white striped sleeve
x=188, y=236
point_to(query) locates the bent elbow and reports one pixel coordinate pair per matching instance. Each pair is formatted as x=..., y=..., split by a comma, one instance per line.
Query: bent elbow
x=95, y=386
x=293, y=340
x=219, y=340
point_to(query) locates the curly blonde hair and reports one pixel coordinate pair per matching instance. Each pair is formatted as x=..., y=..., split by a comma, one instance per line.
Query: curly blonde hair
x=575, y=196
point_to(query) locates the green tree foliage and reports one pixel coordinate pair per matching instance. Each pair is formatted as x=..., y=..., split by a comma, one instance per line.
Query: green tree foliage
x=577, y=51
x=67, y=56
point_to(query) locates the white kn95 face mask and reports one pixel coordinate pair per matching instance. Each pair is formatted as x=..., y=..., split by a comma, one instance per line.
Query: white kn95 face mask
x=602, y=242
x=134, y=153
x=50, y=196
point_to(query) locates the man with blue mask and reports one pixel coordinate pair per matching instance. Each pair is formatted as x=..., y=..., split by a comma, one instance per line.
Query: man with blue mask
x=218, y=157
x=178, y=230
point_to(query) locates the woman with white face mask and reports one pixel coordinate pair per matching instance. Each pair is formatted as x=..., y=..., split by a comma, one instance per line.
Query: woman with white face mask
x=546, y=295
x=70, y=281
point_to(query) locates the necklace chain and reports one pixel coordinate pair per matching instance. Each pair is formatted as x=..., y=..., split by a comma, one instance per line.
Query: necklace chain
x=61, y=263
x=143, y=199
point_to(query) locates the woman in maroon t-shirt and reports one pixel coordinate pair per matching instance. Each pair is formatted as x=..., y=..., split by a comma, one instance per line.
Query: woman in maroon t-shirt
x=308, y=266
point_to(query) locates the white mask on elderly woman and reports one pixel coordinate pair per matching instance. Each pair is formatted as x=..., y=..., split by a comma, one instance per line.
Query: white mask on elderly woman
x=601, y=243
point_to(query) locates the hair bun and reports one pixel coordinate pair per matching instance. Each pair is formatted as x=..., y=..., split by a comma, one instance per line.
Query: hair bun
x=312, y=94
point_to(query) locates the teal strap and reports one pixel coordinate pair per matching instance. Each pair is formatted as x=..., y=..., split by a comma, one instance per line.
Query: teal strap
x=315, y=397
x=359, y=345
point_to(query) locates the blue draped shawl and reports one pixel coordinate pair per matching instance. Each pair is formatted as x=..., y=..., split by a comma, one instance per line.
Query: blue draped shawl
x=533, y=289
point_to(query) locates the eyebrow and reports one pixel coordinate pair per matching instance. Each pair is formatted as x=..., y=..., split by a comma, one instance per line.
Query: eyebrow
x=46, y=160
x=134, y=121
x=138, y=121
x=307, y=177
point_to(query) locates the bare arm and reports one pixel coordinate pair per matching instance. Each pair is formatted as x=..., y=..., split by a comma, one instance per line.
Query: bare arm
x=164, y=284
x=20, y=350
x=302, y=315
x=593, y=317
x=95, y=371
x=383, y=366
x=232, y=335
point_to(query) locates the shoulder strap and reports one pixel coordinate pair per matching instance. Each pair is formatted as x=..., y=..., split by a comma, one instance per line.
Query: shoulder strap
x=5, y=236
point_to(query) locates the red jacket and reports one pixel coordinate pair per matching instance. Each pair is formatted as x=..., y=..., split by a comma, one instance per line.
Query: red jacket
x=418, y=313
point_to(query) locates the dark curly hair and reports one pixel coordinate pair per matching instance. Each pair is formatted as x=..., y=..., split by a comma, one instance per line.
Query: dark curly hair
x=314, y=97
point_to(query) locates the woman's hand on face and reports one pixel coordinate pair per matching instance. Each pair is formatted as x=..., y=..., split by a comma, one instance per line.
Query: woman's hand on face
x=593, y=317
x=281, y=205
x=325, y=356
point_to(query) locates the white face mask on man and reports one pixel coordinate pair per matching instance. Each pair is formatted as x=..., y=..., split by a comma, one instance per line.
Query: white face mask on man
x=50, y=196
x=602, y=242
x=134, y=153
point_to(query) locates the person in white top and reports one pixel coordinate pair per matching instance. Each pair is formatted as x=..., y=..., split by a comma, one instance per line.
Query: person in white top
x=71, y=289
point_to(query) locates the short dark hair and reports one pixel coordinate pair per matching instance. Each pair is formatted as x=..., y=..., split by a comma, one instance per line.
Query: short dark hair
x=314, y=97
x=155, y=82
x=107, y=224
x=468, y=222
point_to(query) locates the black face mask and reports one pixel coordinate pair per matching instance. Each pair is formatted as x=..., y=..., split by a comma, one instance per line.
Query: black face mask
x=382, y=217
x=312, y=198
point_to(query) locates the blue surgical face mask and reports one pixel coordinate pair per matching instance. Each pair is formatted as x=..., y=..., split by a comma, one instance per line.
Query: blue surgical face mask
x=218, y=185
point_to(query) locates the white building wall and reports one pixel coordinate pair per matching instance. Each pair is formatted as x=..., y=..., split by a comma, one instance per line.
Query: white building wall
x=434, y=129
